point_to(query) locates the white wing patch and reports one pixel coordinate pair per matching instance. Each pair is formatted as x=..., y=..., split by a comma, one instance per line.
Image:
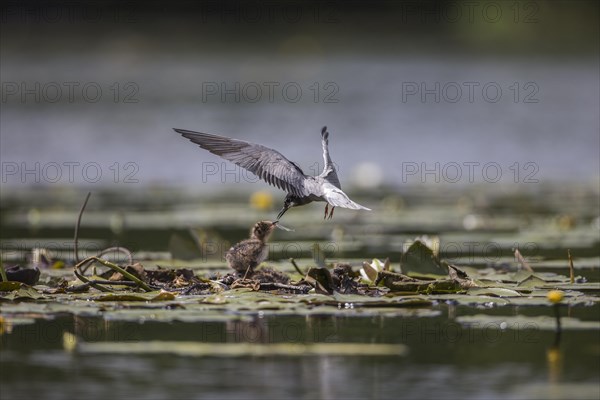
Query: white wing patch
x=337, y=198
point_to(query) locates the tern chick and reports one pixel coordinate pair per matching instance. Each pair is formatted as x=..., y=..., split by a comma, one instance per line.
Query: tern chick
x=249, y=253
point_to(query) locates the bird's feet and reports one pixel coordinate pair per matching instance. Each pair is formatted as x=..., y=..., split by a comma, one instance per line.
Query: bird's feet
x=330, y=212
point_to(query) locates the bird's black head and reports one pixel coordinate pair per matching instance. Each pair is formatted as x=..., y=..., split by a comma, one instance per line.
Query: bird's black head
x=289, y=202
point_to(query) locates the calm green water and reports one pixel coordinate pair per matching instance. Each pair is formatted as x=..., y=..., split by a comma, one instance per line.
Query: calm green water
x=445, y=360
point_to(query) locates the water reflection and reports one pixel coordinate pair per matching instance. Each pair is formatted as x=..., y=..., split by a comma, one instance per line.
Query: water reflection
x=486, y=360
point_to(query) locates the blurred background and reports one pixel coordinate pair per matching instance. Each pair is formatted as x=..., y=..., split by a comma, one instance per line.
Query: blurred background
x=428, y=103
x=92, y=91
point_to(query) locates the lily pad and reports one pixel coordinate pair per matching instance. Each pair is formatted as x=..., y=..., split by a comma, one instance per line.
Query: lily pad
x=21, y=292
x=405, y=284
x=584, y=287
x=150, y=296
x=320, y=279
x=419, y=259
x=557, y=390
x=526, y=322
x=9, y=286
x=472, y=300
x=197, y=349
x=493, y=291
x=532, y=281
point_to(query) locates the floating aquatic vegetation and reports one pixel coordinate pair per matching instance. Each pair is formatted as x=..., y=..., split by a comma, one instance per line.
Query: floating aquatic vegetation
x=421, y=260
x=369, y=271
x=521, y=322
x=133, y=291
x=198, y=349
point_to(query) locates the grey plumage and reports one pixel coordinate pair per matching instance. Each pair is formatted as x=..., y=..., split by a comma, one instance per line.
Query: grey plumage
x=272, y=167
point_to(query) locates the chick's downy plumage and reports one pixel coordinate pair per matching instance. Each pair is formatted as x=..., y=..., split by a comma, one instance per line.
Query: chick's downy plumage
x=249, y=253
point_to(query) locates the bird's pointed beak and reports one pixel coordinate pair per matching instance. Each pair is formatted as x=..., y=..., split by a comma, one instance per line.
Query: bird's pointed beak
x=283, y=210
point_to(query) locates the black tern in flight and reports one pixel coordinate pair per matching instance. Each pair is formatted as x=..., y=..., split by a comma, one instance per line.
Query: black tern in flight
x=272, y=167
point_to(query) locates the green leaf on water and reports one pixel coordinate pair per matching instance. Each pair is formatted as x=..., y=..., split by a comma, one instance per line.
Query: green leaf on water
x=521, y=275
x=493, y=291
x=21, y=292
x=183, y=246
x=556, y=390
x=149, y=296
x=589, y=287
x=198, y=349
x=9, y=286
x=320, y=279
x=532, y=281
x=525, y=322
x=419, y=259
x=472, y=300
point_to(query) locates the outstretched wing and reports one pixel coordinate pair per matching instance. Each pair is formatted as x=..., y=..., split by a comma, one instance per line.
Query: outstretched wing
x=268, y=164
x=329, y=173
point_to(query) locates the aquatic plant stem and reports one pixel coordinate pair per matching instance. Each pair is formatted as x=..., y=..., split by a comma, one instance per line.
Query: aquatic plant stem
x=76, y=238
x=571, y=267
x=524, y=264
x=558, y=326
x=296, y=267
x=3, y=272
x=112, y=266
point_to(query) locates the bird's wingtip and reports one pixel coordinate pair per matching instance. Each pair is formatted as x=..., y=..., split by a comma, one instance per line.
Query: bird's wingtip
x=186, y=133
x=361, y=207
